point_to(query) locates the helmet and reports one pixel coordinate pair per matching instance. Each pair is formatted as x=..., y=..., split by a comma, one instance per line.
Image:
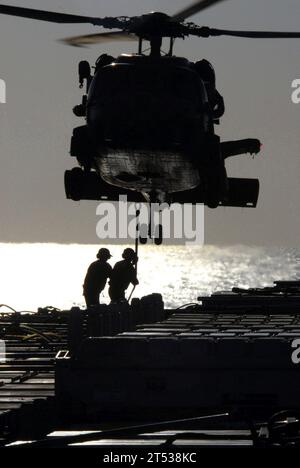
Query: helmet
x=206, y=71
x=103, y=254
x=129, y=254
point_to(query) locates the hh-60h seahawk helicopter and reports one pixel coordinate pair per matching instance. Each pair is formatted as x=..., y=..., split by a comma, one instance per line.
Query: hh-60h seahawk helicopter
x=149, y=131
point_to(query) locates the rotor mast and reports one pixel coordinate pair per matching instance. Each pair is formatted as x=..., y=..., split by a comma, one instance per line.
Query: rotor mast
x=155, y=44
x=153, y=27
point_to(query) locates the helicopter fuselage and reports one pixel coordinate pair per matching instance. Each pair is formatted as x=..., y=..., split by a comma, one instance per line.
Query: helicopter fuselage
x=141, y=115
x=150, y=119
x=149, y=131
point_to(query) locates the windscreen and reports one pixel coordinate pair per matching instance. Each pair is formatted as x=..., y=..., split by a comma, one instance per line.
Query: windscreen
x=163, y=83
x=145, y=102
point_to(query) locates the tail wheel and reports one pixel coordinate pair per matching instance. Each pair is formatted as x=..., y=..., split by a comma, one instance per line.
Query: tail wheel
x=159, y=239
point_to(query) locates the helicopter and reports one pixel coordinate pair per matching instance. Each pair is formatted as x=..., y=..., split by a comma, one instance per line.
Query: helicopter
x=150, y=119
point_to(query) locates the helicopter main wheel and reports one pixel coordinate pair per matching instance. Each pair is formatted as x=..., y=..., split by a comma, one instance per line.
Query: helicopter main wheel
x=214, y=173
x=212, y=201
x=217, y=187
x=81, y=146
x=158, y=240
x=83, y=185
x=74, y=183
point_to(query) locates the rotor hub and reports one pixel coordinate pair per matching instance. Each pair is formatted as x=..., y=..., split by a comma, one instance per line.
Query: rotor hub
x=156, y=24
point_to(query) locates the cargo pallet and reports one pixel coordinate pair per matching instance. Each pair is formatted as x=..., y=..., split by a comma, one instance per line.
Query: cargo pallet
x=141, y=374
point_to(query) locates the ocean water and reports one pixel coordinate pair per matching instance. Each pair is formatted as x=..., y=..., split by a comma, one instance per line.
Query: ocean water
x=39, y=275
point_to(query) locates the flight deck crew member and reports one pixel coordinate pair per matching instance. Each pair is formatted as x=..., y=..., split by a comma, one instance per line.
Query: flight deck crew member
x=207, y=74
x=96, y=277
x=122, y=275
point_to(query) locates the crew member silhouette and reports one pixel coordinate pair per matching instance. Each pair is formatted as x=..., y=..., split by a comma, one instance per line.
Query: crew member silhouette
x=207, y=74
x=122, y=275
x=96, y=277
x=228, y=148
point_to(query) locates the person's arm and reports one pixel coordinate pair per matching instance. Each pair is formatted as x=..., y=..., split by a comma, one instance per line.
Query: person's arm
x=109, y=271
x=87, y=276
x=134, y=279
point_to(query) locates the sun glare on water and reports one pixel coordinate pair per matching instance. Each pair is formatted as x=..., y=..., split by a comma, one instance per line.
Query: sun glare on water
x=39, y=275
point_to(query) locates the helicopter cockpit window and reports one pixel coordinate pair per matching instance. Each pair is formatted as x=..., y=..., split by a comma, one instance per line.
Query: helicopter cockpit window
x=170, y=83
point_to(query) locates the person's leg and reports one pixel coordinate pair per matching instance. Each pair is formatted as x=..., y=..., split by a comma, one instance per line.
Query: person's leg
x=91, y=298
x=113, y=294
x=116, y=294
x=122, y=296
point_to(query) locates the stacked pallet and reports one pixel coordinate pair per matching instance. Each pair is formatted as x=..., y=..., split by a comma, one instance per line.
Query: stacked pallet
x=35, y=341
x=32, y=341
x=235, y=350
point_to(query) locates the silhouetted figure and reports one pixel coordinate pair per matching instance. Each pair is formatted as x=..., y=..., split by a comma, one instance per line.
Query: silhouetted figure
x=208, y=76
x=122, y=275
x=96, y=277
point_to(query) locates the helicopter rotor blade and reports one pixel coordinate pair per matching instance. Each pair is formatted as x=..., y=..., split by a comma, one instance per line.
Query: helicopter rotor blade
x=89, y=39
x=207, y=32
x=196, y=7
x=54, y=17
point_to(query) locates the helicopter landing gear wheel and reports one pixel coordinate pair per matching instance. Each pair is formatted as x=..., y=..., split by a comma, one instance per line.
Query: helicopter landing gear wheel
x=159, y=239
x=216, y=176
x=217, y=188
x=74, y=183
x=212, y=201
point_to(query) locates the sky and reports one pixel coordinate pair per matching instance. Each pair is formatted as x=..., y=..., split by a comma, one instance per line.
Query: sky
x=36, y=123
